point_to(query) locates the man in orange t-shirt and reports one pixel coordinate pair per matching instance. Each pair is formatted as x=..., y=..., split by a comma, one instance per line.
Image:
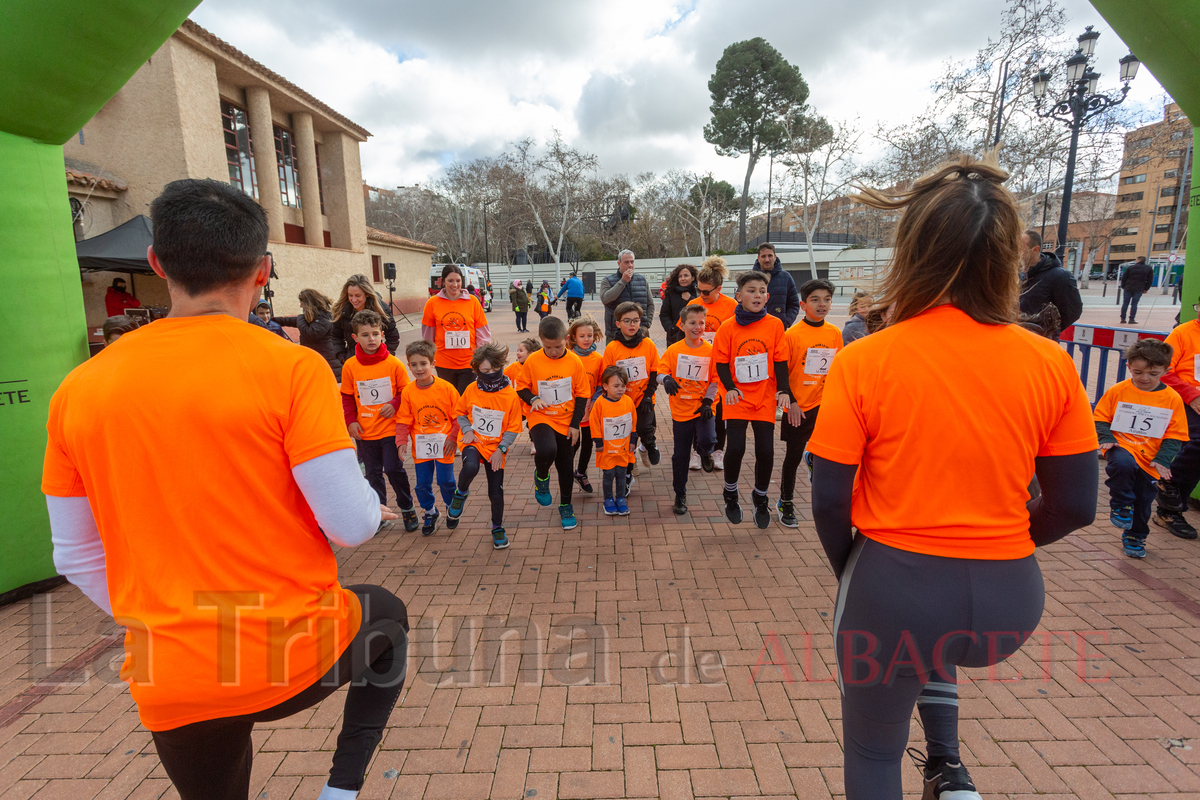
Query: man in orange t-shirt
x=225, y=583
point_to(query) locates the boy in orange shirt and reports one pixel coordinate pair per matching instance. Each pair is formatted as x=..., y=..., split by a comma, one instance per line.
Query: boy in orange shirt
x=426, y=414
x=583, y=333
x=811, y=345
x=632, y=349
x=612, y=419
x=691, y=383
x=1184, y=377
x=751, y=362
x=1141, y=425
x=489, y=419
x=372, y=382
x=718, y=307
x=554, y=385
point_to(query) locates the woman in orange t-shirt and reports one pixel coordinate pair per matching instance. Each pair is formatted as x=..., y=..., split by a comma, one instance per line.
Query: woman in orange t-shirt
x=930, y=432
x=454, y=321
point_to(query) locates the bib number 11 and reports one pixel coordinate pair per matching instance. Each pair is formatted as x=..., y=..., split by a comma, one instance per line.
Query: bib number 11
x=750, y=369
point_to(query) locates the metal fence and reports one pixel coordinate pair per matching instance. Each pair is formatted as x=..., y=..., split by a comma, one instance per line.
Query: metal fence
x=1104, y=348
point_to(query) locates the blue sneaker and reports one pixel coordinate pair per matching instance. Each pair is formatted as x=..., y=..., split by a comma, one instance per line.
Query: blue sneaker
x=429, y=525
x=541, y=490
x=1121, y=517
x=455, y=510
x=1134, y=547
x=622, y=507
x=567, y=514
x=610, y=507
x=499, y=538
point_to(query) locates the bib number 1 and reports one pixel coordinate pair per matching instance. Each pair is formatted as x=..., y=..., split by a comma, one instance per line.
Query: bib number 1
x=556, y=392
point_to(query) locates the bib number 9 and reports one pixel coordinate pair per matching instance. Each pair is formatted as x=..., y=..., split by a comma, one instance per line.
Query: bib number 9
x=374, y=392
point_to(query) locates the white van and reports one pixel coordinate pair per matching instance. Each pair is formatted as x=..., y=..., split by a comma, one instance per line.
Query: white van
x=475, y=277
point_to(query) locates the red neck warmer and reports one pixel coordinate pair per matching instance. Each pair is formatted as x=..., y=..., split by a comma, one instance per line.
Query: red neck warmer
x=366, y=359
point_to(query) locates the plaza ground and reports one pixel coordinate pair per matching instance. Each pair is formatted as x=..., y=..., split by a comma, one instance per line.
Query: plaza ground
x=655, y=656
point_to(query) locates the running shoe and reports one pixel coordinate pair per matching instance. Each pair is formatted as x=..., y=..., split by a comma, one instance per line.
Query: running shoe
x=707, y=463
x=645, y=455
x=499, y=538
x=1175, y=524
x=1121, y=517
x=430, y=523
x=610, y=507
x=567, y=515
x=541, y=490
x=718, y=458
x=944, y=780
x=807, y=458
x=1134, y=547
x=787, y=514
x=733, y=509
x=628, y=485
x=680, y=507
x=409, y=515
x=694, y=464
x=582, y=480
x=655, y=456
x=622, y=507
x=762, y=509
x=455, y=510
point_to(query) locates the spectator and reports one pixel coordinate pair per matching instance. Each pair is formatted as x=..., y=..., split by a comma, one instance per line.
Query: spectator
x=856, y=326
x=680, y=289
x=264, y=313
x=544, y=301
x=317, y=329
x=116, y=299
x=1135, y=282
x=573, y=288
x=785, y=300
x=529, y=287
x=357, y=294
x=520, y=306
x=625, y=286
x=116, y=327
x=1047, y=282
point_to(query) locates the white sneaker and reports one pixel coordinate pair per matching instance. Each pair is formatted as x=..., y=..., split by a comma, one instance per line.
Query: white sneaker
x=695, y=462
x=718, y=459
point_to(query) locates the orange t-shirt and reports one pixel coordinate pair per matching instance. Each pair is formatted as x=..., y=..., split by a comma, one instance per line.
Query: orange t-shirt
x=614, y=423
x=639, y=362
x=372, y=385
x=428, y=411
x=716, y=313
x=751, y=352
x=593, y=365
x=694, y=377
x=944, y=417
x=1139, y=429
x=491, y=415
x=557, y=381
x=1185, y=358
x=226, y=587
x=513, y=371
x=810, y=347
x=454, y=323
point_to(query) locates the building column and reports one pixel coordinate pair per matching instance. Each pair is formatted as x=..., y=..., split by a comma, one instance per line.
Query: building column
x=310, y=189
x=266, y=168
x=344, y=192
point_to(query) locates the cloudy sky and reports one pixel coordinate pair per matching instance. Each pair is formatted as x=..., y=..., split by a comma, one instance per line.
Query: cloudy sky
x=624, y=79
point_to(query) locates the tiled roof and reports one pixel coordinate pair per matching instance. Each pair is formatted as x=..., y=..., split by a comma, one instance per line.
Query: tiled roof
x=376, y=235
x=79, y=177
x=247, y=61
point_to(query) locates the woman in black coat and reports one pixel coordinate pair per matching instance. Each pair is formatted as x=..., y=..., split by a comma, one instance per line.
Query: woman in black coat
x=358, y=294
x=680, y=290
x=317, y=329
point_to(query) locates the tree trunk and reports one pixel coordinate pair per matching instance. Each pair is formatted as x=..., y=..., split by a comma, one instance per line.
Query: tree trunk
x=745, y=197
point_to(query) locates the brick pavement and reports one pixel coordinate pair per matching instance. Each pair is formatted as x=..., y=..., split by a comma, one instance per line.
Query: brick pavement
x=619, y=660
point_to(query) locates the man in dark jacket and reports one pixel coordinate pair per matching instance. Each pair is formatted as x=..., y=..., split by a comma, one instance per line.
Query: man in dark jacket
x=1047, y=282
x=1135, y=282
x=785, y=300
x=625, y=285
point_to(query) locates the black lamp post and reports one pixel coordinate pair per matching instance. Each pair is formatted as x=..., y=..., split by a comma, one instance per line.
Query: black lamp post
x=1080, y=104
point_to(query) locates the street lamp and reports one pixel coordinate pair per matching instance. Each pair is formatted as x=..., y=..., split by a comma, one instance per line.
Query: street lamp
x=1080, y=104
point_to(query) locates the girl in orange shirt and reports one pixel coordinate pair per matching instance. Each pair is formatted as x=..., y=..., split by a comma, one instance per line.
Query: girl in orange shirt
x=930, y=430
x=454, y=321
x=612, y=426
x=583, y=334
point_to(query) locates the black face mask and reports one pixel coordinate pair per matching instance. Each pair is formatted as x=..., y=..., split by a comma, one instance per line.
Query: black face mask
x=119, y=288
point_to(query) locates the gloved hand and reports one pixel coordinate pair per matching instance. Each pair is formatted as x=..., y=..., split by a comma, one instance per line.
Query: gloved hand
x=645, y=408
x=706, y=412
x=670, y=385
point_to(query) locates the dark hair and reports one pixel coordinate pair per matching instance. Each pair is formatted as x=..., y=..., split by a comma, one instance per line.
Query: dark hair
x=365, y=317
x=119, y=325
x=808, y=287
x=552, y=328
x=613, y=371
x=690, y=309
x=452, y=269
x=207, y=234
x=1047, y=322
x=625, y=308
x=494, y=353
x=1154, y=352
x=766, y=246
x=421, y=347
x=266, y=303
x=1141, y=259
x=752, y=275
x=673, y=278
x=1034, y=238
x=119, y=279
x=874, y=320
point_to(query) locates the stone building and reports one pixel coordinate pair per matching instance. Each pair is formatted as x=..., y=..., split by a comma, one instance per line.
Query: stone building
x=1154, y=175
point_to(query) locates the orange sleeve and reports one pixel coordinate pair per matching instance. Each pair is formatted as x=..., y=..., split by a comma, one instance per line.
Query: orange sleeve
x=347, y=378
x=781, y=346
x=428, y=317
x=722, y=346
x=1178, y=429
x=666, y=364
x=512, y=416
x=1106, y=406
x=60, y=478
x=841, y=432
x=595, y=420
x=314, y=424
x=1075, y=432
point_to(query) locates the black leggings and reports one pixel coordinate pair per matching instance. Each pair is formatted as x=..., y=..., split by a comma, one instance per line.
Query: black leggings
x=574, y=307
x=553, y=448
x=954, y=612
x=471, y=460
x=522, y=320
x=460, y=379
x=796, y=437
x=585, y=450
x=764, y=451
x=210, y=760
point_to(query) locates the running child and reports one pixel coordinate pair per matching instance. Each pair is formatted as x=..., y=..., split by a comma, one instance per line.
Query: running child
x=583, y=333
x=751, y=362
x=513, y=371
x=719, y=308
x=632, y=350
x=615, y=437
x=1184, y=377
x=426, y=414
x=489, y=419
x=373, y=381
x=554, y=385
x=811, y=343
x=691, y=384
x=1141, y=424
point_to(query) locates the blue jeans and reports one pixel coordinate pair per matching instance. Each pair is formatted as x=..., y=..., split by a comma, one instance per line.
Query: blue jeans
x=1129, y=485
x=424, y=488
x=1130, y=301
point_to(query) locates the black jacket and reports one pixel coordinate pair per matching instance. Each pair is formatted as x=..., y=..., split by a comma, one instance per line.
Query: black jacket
x=785, y=300
x=391, y=335
x=674, y=300
x=1048, y=282
x=1137, y=277
x=320, y=335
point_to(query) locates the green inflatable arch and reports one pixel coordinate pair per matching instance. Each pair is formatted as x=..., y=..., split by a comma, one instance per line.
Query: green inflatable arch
x=61, y=61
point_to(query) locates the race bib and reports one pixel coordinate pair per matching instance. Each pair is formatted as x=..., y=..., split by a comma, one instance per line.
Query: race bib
x=709, y=336
x=374, y=392
x=555, y=393
x=457, y=340
x=818, y=360
x=692, y=368
x=750, y=369
x=636, y=367
x=1196, y=369
x=1139, y=420
x=487, y=422
x=618, y=427
x=429, y=445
